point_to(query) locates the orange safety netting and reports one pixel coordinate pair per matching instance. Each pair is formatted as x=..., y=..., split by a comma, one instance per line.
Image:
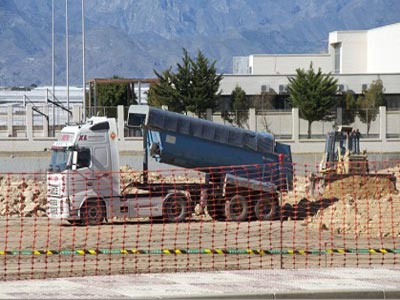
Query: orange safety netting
x=197, y=220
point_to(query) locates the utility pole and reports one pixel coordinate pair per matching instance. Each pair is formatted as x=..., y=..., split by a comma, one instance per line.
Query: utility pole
x=52, y=63
x=67, y=55
x=83, y=62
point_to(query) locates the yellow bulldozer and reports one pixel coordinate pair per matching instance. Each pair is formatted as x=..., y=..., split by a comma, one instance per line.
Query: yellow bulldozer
x=344, y=158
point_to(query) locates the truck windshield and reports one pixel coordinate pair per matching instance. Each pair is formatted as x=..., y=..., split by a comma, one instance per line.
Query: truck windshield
x=60, y=160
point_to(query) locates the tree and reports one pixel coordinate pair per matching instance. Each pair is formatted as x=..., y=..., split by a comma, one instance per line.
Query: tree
x=263, y=102
x=114, y=94
x=349, y=107
x=110, y=95
x=204, y=87
x=239, y=108
x=194, y=87
x=313, y=94
x=368, y=103
x=164, y=93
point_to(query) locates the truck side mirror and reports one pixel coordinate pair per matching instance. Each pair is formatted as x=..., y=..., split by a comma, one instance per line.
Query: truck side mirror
x=74, y=160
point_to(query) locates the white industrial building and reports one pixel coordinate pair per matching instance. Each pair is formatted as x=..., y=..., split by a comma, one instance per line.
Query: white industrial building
x=40, y=95
x=355, y=58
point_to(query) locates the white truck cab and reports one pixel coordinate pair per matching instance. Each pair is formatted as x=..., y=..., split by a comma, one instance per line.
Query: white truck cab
x=83, y=169
x=83, y=180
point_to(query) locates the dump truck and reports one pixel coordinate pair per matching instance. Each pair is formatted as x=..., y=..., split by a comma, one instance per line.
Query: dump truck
x=343, y=158
x=245, y=171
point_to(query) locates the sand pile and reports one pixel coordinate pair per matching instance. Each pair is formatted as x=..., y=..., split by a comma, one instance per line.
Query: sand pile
x=356, y=205
x=22, y=197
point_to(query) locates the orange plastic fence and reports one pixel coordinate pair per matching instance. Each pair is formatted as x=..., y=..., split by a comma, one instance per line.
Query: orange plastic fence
x=197, y=220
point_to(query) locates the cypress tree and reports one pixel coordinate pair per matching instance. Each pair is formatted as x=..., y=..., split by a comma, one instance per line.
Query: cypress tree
x=313, y=94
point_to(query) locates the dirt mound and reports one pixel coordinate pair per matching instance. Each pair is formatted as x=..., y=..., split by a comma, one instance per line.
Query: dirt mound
x=371, y=217
x=22, y=197
x=366, y=206
x=359, y=186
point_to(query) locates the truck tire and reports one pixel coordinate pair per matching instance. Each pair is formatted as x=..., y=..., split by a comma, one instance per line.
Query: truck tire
x=175, y=209
x=265, y=209
x=93, y=212
x=237, y=208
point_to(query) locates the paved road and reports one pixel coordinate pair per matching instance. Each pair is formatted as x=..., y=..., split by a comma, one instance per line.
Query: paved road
x=344, y=283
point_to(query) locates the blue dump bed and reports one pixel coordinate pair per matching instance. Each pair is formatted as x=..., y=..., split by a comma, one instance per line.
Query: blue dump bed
x=190, y=142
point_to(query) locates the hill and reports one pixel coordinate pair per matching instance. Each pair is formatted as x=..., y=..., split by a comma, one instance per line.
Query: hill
x=132, y=38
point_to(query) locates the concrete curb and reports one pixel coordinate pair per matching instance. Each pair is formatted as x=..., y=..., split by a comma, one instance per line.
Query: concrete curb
x=326, y=294
x=341, y=283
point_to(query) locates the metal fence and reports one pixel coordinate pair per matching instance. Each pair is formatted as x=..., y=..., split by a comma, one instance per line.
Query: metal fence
x=13, y=122
x=350, y=222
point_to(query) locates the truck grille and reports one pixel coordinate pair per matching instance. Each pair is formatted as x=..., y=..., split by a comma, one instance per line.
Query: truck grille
x=53, y=190
x=53, y=206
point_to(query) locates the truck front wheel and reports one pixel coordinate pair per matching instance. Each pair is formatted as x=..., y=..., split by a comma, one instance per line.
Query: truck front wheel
x=175, y=209
x=92, y=212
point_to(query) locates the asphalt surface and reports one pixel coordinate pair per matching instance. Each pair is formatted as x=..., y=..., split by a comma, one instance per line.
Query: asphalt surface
x=343, y=283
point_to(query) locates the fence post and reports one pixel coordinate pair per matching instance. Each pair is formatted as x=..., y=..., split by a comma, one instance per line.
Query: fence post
x=382, y=123
x=76, y=114
x=45, y=120
x=121, y=122
x=209, y=114
x=339, y=116
x=29, y=122
x=10, y=131
x=295, y=124
x=252, y=119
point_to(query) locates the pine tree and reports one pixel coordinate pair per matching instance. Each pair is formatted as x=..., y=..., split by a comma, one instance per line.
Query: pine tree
x=205, y=86
x=182, y=82
x=165, y=93
x=313, y=94
x=194, y=87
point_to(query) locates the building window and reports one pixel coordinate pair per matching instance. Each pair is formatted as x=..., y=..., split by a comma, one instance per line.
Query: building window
x=337, y=51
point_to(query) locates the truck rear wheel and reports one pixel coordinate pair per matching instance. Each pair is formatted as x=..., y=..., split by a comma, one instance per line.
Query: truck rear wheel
x=92, y=212
x=175, y=209
x=266, y=209
x=237, y=208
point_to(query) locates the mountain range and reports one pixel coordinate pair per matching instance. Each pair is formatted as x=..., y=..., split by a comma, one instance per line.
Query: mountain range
x=132, y=38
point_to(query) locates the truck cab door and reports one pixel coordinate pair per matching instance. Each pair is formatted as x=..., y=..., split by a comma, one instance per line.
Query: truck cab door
x=79, y=182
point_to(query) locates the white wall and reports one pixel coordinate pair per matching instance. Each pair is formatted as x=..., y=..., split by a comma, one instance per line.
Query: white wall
x=374, y=51
x=251, y=84
x=288, y=63
x=286, y=125
x=353, y=52
x=384, y=49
